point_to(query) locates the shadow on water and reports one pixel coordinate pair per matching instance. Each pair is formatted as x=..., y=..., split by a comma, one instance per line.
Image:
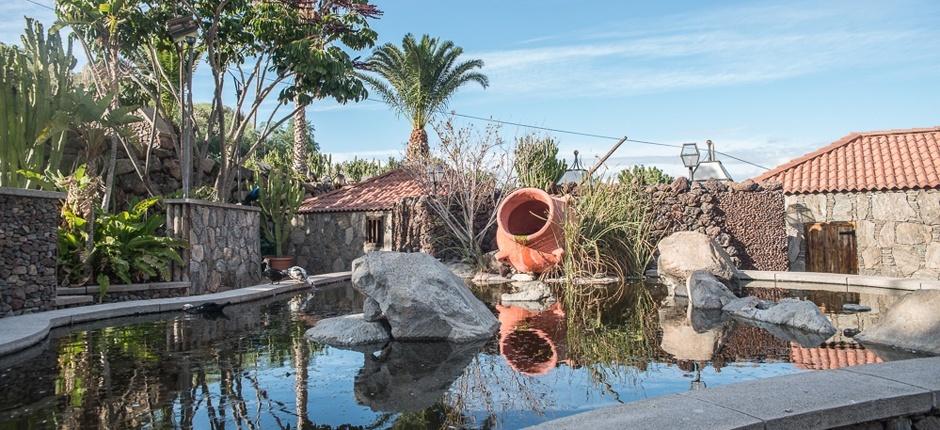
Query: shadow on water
x=252, y=368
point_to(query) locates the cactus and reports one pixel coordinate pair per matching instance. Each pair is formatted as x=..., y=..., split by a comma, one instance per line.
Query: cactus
x=35, y=81
x=280, y=199
x=536, y=162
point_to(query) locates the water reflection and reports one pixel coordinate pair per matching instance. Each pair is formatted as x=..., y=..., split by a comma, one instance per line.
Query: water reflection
x=252, y=368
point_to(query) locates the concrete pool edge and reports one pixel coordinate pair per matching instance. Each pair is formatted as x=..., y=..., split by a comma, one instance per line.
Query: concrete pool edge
x=809, y=400
x=22, y=331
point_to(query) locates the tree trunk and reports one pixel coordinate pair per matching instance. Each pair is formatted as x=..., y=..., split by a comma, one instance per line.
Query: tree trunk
x=418, y=145
x=301, y=142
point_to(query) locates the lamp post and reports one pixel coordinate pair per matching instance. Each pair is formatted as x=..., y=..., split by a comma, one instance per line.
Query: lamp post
x=436, y=175
x=690, y=157
x=183, y=30
x=574, y=174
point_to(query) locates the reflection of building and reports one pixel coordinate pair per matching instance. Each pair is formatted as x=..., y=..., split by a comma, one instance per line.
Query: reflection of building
x=532, y=342
x=832, y=355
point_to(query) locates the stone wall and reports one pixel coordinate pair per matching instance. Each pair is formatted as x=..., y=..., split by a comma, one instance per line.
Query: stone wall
x=224, y=240
x=28, y=250
x=897, y=232
x=326, y=242
x=746, y=219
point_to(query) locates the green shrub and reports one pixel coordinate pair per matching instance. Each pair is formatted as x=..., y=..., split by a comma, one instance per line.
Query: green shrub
x=356, y=170
x=128, y=247
x=280, y=199
x=643, y=175
x=536, y=162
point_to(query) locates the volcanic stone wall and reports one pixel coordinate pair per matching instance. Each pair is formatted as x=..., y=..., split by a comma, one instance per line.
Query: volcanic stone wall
x=747, y=219
x=28, y=250
x=224, y=240
x=325, y=242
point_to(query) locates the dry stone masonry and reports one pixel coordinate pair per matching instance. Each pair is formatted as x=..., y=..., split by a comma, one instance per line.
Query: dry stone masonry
x=224, y=240
x=326, y=242
x=746, y=219
x=897, y=232
x=28, y=250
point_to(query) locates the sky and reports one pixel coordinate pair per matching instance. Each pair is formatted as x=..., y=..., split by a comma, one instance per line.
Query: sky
x=766, y=81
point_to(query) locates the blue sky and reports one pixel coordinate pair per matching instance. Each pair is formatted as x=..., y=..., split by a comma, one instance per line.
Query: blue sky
x=766, y=81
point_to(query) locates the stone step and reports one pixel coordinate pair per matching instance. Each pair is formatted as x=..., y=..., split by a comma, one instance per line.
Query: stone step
x=72, y=291
x=68, y=301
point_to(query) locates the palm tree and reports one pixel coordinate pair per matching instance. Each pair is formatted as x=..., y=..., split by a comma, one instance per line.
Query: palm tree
x=418, y=79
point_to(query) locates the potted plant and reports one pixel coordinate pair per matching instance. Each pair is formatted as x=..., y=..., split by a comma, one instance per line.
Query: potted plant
x=280, y=198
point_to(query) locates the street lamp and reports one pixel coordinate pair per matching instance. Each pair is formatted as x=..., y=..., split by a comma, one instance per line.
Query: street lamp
x=435, y=173
x=184, y=29
x=690, y=157
x=574, y=174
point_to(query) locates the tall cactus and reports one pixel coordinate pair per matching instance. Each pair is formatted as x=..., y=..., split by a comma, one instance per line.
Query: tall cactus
x=280, y=199
x=35, y=81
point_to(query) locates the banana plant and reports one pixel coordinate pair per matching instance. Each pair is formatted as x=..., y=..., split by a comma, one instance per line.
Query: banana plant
x=280, y=200
x=35, y=83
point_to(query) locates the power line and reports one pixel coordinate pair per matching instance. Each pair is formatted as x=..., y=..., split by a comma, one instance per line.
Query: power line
x=40, y=4
x=575, y=133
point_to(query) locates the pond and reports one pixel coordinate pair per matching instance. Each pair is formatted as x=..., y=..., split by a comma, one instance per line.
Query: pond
x=252, y=367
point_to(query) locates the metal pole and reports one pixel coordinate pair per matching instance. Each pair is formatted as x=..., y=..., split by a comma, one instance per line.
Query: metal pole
x=603, y=159
x=187, y=165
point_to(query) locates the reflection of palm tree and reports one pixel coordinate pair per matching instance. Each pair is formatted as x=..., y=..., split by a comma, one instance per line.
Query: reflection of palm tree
x=301, y=358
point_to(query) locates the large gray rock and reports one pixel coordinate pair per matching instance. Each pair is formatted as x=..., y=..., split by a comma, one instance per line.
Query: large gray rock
x=912, y=323
x=371, y=310
x=348, y=330
x=684, y=252
x=706, y=292
x=421, y=298
x=801, y=314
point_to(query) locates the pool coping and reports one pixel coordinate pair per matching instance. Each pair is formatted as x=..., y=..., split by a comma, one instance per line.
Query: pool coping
x=841, y=282
x=808, y=400
x=22, y=331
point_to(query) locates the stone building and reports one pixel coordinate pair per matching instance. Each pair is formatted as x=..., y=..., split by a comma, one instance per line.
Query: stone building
x=868, y=203
x=333, y=229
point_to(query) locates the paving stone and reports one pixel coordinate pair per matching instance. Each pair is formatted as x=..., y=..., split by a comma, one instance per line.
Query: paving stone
x=668, y=412
x=921, y=372
x=820, y=399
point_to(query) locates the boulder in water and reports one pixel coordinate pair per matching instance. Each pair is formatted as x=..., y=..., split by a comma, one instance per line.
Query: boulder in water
x=348, y=330
x=800, y=314
x=684, y=252
x=421, y=298
x=705, y=291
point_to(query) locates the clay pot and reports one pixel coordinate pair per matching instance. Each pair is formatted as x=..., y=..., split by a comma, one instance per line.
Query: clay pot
x=529, y=230
x=280, y=263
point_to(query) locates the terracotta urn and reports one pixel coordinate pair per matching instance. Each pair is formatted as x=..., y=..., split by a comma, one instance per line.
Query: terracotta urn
x=280, y=263
x=530, y=232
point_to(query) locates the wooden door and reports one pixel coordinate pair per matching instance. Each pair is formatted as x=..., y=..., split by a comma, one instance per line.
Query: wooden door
x=831, y=248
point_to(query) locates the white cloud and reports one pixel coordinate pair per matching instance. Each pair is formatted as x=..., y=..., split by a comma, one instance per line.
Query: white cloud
x=721, y=48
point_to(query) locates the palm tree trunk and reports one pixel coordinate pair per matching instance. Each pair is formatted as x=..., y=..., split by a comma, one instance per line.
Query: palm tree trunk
x=418, y=145
x=300, y=142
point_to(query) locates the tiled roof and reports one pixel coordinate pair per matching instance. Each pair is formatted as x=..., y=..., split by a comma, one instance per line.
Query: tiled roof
x=876, y=160
x=379, y=193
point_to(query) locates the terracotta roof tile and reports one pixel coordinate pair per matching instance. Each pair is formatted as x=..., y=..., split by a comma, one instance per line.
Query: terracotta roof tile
x=831, y=355
x=875, y=160
x=379, y=193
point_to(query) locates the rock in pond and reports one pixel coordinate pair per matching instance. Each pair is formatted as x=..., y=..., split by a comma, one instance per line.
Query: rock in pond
x=532, y=291
x=684, y=252
x=912, y=323
x=706, y=292
x=348, y=330
x=421, y=298
x=800, y=314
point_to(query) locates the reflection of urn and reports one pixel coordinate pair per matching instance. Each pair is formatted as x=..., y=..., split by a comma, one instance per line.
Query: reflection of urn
x=529, y=230
x=532, y=342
